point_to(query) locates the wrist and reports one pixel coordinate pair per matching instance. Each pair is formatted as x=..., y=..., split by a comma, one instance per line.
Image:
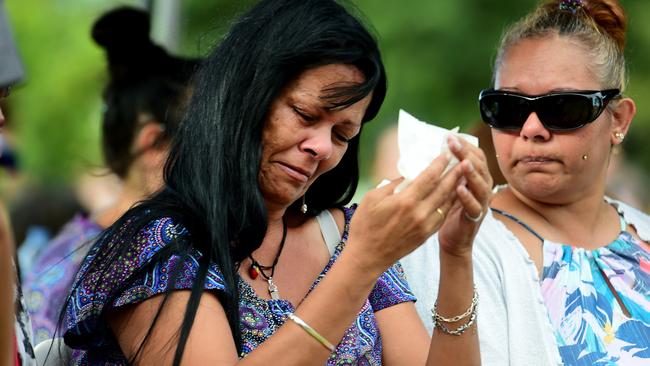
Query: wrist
x=456, y=266
x=361, y=263
x=461, y=256
x=455, y=246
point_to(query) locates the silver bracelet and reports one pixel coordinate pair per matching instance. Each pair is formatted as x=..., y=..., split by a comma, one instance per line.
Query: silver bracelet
x=460, y=330
x=470, y=310
x=438, y=319
x=312, y=332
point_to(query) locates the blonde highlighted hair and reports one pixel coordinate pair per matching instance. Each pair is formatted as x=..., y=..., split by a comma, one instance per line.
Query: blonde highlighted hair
x=598, y=25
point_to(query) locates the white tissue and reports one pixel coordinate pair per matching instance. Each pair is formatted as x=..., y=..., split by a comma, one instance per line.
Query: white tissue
x=420, y=143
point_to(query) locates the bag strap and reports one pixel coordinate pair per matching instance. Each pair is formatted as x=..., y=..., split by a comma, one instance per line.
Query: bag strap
x=329, y=229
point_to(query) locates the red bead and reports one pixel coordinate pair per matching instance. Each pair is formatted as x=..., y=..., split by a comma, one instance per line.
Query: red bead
x=253, y=272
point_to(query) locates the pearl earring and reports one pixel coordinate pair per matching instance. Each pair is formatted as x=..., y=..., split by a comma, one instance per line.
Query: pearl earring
x=585, y=157
x=620, y=135
x=303, y=208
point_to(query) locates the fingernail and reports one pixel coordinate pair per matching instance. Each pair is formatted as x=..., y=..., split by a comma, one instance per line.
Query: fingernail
x=454, y=143
x=469, y=165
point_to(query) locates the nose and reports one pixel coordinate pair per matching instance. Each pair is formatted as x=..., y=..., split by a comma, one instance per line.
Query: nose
x=533, y=129
x=318, y=144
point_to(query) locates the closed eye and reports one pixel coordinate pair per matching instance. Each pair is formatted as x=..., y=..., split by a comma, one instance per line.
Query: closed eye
x=303, y=115
x=341, y=137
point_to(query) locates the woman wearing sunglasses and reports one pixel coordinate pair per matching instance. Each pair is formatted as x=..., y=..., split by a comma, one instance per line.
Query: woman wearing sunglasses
x=558, y=265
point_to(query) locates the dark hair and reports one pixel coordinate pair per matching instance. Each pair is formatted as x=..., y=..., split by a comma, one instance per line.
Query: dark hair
x=598, y=25
x=144, y=80
x=212, y=172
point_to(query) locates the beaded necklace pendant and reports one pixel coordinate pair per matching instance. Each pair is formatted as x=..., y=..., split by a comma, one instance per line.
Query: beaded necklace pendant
x=253, y=272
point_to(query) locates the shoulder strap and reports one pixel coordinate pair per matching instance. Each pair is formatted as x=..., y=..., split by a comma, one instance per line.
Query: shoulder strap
x=621, y=217
x=329, y=229
x=515, y=219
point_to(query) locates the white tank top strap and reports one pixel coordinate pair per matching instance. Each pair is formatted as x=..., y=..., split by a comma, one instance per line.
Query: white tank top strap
x=329, y=229
x=621, y=218
x=622, y=221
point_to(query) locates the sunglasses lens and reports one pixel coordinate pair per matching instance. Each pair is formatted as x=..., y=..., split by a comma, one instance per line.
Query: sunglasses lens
x=566, y=111
x=504, y=112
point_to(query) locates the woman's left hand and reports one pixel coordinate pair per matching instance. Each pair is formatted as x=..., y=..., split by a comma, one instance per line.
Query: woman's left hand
x=473, y=198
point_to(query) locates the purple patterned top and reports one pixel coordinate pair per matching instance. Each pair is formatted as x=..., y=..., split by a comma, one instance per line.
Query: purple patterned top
x=47, y=285
x=260, y=318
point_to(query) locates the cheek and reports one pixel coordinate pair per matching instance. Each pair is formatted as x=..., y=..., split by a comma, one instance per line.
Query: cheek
x=502, y=143
x=594, y=141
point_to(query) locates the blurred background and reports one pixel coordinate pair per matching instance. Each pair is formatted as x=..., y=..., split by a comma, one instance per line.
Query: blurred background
x=438, y=56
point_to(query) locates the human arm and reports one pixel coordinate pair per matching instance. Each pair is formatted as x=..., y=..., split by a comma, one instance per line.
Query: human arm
x=6, y=290
x=333, y=305
x=455, y=281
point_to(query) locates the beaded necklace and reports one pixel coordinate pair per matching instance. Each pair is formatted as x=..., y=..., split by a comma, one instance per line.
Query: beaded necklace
x=257, y=269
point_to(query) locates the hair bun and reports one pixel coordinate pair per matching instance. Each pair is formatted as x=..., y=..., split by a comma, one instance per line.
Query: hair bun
x=122, y=29
x=610, y=17
x=124, y=34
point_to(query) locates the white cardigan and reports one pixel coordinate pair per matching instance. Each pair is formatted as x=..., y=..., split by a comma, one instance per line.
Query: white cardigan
x=513, y=325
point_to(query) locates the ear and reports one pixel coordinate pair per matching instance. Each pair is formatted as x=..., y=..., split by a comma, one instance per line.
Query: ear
x=149, y=137
x=622, y=115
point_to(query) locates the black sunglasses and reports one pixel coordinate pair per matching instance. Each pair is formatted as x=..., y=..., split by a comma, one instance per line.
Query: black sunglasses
x=561, y=111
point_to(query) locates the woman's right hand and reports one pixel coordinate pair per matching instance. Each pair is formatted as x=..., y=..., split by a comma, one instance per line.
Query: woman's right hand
x=387, y=226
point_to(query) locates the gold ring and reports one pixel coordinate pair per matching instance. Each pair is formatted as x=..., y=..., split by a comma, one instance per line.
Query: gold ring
x=441, y=212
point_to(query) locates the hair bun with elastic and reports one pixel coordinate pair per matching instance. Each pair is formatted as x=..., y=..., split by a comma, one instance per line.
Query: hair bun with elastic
x=610, y=17
x=124, y=34
x=124, y=30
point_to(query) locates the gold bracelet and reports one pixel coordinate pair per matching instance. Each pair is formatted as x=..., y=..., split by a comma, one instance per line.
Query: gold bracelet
x=312, y=332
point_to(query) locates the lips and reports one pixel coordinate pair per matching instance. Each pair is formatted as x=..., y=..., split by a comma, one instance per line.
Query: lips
x=296, y=172
x=536, y=161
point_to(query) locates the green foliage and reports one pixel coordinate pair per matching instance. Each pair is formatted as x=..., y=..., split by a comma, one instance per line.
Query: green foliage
x=56, y=109
x=205, y=22
x=438, y=56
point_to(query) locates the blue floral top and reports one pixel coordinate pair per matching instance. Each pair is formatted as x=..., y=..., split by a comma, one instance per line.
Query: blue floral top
x=591, y=327
x=48, y=284
x=260, y=318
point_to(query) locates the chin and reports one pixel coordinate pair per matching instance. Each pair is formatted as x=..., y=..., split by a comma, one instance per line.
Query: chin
x=544, y=189
x=282, y=197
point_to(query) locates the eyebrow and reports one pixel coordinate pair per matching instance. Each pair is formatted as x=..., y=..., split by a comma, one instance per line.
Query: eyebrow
x=323, y=106
x=350, y=123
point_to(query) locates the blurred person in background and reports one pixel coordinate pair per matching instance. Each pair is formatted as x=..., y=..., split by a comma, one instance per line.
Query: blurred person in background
x=384, y=163
x=143, y=102
x=38, y=211
x=15, y=329
x=386, y=157
x=562, y=270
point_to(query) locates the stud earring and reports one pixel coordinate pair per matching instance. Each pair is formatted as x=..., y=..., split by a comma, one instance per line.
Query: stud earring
x=496, y=155
x=303, y=208
x=585, y=157
x=620, y=135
